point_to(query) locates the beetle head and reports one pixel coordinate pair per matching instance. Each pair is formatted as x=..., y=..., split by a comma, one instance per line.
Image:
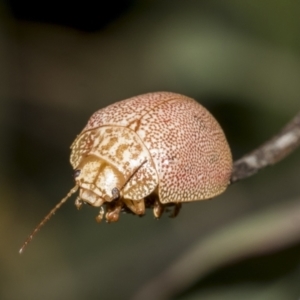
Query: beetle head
x=96, y=179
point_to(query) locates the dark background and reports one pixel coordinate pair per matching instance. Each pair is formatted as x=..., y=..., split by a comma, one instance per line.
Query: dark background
x=61, y=61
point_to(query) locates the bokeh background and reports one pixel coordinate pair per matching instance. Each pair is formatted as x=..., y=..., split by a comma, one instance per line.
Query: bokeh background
x=61, y=61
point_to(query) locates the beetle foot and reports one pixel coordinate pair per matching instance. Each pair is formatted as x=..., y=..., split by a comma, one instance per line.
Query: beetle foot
x=113, y=212
x=100, y=216
x=78, y=203
x=176, y=210
x=158, y=209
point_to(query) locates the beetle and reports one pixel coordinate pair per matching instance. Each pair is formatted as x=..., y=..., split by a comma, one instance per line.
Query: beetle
x=150, y=151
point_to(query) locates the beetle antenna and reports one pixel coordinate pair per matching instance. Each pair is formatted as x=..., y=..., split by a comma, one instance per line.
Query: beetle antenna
x=47, y=218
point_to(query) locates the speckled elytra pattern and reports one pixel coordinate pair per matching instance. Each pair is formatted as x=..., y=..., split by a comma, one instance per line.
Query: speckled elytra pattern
x=83, y=144
x=189, y=150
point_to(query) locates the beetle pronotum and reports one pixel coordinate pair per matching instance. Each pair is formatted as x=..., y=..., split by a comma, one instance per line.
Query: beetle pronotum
x=150, y=151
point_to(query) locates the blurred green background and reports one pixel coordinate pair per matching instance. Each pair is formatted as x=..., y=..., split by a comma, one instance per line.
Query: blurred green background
x=60, y=62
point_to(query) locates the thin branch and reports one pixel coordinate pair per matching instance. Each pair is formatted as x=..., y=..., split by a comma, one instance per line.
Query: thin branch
x=271, y=152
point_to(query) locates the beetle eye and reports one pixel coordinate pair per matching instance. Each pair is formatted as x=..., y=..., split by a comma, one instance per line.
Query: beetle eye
x=76, y=173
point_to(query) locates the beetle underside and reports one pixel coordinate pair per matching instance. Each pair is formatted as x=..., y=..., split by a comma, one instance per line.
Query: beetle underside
x=111, y=210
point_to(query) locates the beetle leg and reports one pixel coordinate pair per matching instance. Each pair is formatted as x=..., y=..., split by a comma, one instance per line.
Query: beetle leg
x=78, y=203
x=137, y=207
x=158, y=209
x=113, y=211
x=100, y=216
x=176, y=210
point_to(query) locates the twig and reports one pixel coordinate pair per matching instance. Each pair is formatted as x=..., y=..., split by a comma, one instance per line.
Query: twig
x=271, y=152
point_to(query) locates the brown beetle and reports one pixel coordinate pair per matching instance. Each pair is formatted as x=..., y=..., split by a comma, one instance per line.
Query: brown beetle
x=153, y=150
